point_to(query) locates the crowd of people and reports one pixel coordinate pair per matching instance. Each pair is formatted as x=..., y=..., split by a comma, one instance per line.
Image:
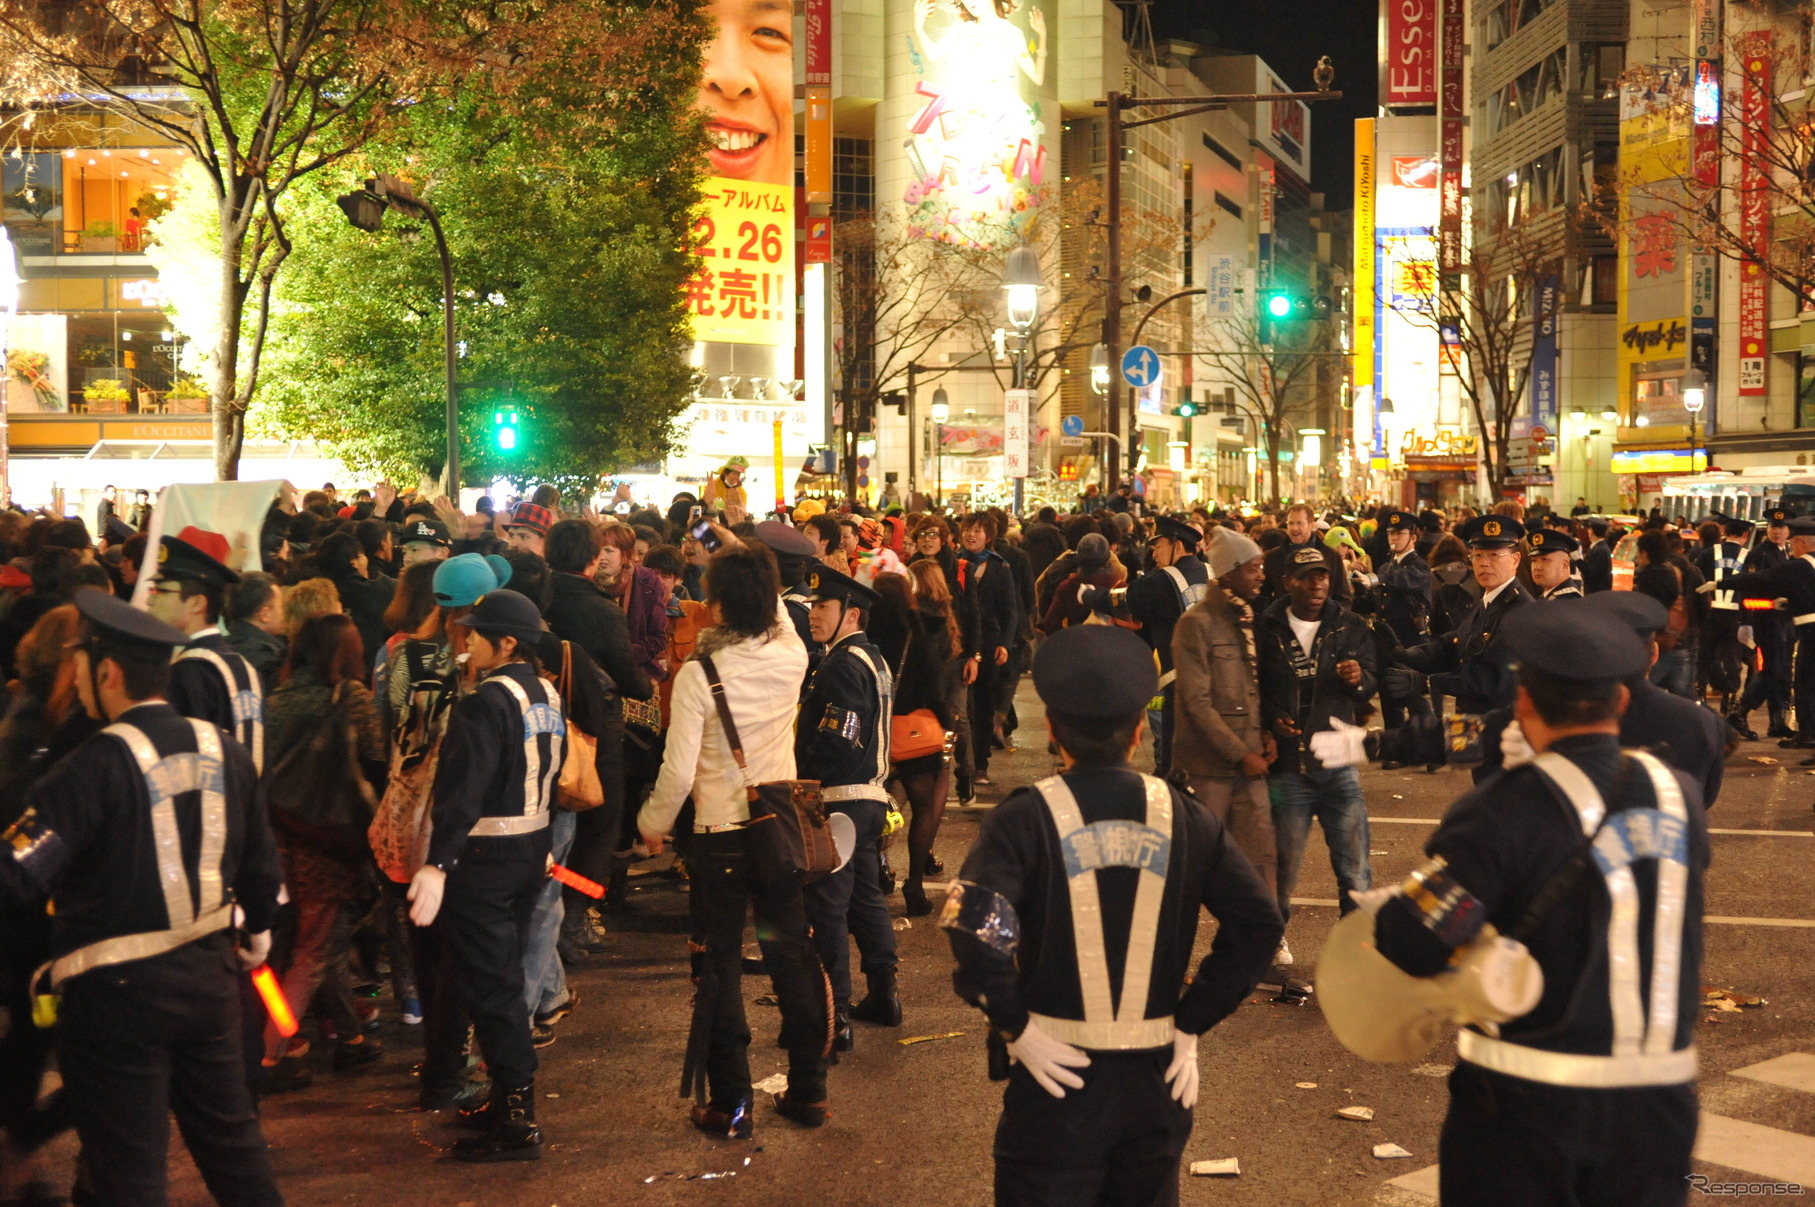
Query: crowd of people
x=441, y=704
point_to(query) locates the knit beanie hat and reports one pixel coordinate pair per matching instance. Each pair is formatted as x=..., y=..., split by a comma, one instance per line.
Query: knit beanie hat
x=1229, y=549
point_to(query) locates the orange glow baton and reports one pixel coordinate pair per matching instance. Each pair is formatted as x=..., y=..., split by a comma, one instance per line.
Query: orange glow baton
x=574, y=880
x=265, y=981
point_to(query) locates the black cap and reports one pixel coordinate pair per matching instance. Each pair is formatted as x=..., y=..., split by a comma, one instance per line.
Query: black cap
x=507, y=613
x=195, y=556
x=1779, y=516
x=1396, y=519
x=126, y=625
x=118, y=531
x=1305, y=560
x=823, y=582
x=1571, y=640
x=1549, y=540
x=1430, y=521
x=1802, y=525
x=785, y=540
x=1095, y=672
x=1177, y=530
x=1597, y=525
x=1643, y=614
x=1735, y=526
x=1491, y=532
x=421, y=530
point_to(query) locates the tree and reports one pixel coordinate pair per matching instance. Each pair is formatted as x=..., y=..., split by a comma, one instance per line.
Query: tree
x=1272, y=367
x=264, y=94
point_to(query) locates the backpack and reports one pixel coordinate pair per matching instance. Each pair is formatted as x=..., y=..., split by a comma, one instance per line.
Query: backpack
x=399, y=833
x=317, y=794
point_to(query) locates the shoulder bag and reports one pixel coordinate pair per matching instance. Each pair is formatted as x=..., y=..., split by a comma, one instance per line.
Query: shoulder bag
x=789, y=837
x=579, y=789
x=916, y=734
x=317, y=794
x=401, y=827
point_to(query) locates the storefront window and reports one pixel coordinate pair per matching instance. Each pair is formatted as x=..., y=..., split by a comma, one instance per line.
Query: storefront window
x=1659, y=398
x=86, y=200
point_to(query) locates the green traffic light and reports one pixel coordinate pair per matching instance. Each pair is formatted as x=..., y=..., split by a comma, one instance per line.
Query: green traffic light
x=504, y=429
x=1279, y=305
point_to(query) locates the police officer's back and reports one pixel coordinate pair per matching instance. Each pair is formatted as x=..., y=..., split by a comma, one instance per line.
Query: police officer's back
x=211, y=681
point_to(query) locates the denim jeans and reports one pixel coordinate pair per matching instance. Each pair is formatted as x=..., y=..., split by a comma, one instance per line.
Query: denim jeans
x=544, y=980
x=1334, y=798
x=1675, y=672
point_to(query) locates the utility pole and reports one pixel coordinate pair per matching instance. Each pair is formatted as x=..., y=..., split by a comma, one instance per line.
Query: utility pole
x=1188, y=106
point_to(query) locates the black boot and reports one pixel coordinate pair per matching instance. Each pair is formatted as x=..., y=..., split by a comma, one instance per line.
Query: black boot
x=914, y=900
x=1780, y=725
x=513, y=1135
x=882, y=1005
x=1736, y=720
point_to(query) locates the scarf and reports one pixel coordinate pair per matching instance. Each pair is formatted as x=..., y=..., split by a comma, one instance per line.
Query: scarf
x=968, y=561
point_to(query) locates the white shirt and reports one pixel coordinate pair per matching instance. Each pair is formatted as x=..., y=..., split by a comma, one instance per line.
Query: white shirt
x=762, y=678
x=1495, y=593
x=1304, y=630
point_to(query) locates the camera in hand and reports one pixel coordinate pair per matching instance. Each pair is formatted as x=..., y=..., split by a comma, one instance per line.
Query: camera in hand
x=708, y=539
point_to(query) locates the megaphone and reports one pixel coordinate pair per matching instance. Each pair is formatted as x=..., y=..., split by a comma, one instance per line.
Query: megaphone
x=1382, y=1013
x=844, y=837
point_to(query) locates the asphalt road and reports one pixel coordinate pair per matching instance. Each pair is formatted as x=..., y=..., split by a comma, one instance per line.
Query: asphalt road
x=911, y=1123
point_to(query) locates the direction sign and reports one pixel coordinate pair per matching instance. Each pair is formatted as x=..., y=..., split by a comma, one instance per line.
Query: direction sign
x=1072, y=425
x=1141, y=366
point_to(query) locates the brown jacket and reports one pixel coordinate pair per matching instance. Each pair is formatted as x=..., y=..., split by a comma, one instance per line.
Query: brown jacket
x=1216, y=696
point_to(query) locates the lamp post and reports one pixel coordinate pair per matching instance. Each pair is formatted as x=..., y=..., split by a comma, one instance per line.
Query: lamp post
x=941, y=411
x=1695, y=397
x=1099, y=368
x=364, y=208
x=1021, y=282
x=9, y=306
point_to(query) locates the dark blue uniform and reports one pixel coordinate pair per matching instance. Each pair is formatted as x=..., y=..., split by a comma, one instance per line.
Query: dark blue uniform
x=1772, y=634
x=1793, y=580
x=1468, y=663
x=1157, y=600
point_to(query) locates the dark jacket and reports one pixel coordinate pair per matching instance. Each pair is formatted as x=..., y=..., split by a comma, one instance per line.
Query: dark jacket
x=919, y=653
x=365, y=601
x=1018, y=561
x=1042, y=543
x=991, y=596
x=646, y=611
x=265, y=652
x=581, y=613
x=1405, y=586
x=1471, y=663
x=839, y=740
x=1341, y=636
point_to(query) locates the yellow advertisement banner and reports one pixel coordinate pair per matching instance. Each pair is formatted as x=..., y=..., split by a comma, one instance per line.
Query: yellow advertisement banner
x=744, y=293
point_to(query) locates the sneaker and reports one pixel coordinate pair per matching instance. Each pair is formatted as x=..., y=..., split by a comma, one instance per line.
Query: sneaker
x=1283, y=957
x=412, y=1012
x=284, y=1076
x=967, y=802
x=983, y=781
x=540, y=1036
x=551, y=1017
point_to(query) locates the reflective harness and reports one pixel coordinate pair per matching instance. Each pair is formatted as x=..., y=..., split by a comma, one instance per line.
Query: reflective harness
x=1190, y=594
x=1805, y=618
x=166, y=778
x=877, y=788
x=1724, y=565
x=1112, y=844
x=247, y=695
x=539, y=778
x=1644, y=1034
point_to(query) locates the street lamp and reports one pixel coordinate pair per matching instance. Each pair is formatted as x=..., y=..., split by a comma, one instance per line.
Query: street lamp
x=1099, y=368
x=942, y=410
x=9, y=306
x=1695, y=397
x=364, y=208
x=1021, y=281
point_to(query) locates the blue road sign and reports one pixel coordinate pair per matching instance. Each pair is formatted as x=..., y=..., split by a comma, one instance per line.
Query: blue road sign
x=1072, y=425
x=1141, y=366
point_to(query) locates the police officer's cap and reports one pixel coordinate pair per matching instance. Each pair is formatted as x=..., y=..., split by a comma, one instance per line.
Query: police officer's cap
x=823, y=582
x=1430, y=521
x=127, y=626
x=425, y=531
x=1549, y=540
x=1095, y=672
x=1644, y=614
x=1572, y=641
x=195, y=555
x=1777, y=517
x=1491, y=532
x=505, y=613
x=1734, y=526
x=1307, y=559
x=785, y=540
x=1395, y=519
x=1803, y=525
x=1177, y=530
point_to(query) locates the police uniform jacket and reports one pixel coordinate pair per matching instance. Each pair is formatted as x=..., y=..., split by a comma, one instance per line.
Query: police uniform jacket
x=1468, y=663
x=1157, y=601
x=842, y=741
x=485, y=764
x=1018, y=856
x=1341, y=636
x=197, y=688
x=1719, y=562
x=1505, y=841
x=1405, y=582
x=1792, y=579
x=88, y=836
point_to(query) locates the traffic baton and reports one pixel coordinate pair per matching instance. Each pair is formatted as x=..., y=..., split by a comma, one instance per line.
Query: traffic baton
x=574, y=880
x=276, y=1005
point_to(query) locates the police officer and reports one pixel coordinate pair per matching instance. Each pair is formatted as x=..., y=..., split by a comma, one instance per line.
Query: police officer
x=842, y=741
x=1073, y=923
x=1469, y=663
x=211, y=681
x=489, y=855
x=1589, y=1098
x=1550, y=559
x=794, y=553
x=1157, y=599
x=1597, y=559
x=150, y=836
x=1794, y=581
x=1405, y=577
x=1721, y=648
x=1771, y=633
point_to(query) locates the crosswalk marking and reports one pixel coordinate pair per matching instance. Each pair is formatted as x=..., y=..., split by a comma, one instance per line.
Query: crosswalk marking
x=1768, y=833
x=1715, y=920
x=1768, y=1152
x=1795, y=1071
x=1431, y=821
x=1423, y=1182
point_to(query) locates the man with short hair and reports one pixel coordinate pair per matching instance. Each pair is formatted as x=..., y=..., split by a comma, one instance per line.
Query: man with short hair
x=1468, y=663
x=1770, y=632
x=1792, y=579
x=1301, y=532
x=1550, y=556
x=991, y=605
x=211, y=681
x=1597, y=559
x=1722, y=649
x=1157, y=599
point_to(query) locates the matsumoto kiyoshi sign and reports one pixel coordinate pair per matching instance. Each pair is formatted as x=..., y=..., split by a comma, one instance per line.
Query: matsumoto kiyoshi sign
x=1661, y=338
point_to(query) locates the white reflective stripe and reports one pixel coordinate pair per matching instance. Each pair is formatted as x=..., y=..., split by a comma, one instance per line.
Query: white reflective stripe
x=1143, y=931
x=1667, y=918
x=1573, y=1069
x=142, y=946
x=251, y=731
x=1130, y=1035
x=505, y=827
x=885, y=703
x=854, y=792
x=1166, y=679
x=1086, y=909
x=538, y=782
x=172, y=878
x=1804, y=618
x=1623, y=968
x=211, y=893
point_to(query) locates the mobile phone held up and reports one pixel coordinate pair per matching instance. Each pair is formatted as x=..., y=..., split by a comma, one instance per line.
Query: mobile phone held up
x=708, y=539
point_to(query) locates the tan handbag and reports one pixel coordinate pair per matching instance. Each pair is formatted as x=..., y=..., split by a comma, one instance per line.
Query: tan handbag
x=579, y=788
x=914, y=734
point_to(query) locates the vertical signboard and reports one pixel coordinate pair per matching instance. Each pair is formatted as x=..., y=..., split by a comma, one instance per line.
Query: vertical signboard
x=819, y=101
x=1754, y=208
x=1546, y=292
x=1409, y=61
x=1219, y=288
x=1362, y=291
x=1450, y=114
x=1017, y=416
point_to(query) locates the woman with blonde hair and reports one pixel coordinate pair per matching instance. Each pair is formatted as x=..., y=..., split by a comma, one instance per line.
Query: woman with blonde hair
x=310, y=597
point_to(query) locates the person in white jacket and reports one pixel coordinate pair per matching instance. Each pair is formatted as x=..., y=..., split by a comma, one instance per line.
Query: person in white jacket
x=760, y=662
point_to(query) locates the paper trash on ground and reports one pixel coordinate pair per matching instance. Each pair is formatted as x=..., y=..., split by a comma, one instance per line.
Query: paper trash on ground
x=1220, y=1167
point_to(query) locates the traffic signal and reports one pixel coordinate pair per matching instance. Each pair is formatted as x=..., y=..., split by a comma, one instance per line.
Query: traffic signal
x=505, y=429
x=1278, y=304
x=1188, y=409
x=1283, y=304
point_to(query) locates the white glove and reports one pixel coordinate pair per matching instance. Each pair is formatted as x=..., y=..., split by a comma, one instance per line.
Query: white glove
x=426, y=887
x=253, y=951
x=1706, y=587
x=1050, y=1061
x=1515, y=751
x=1181, y=1074
x=1340, y=746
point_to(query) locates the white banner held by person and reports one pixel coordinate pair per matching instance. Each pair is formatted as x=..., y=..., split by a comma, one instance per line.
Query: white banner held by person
x=236, y=510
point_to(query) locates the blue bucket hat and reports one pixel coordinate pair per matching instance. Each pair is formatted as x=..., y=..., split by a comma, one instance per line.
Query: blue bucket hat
x=460, y=581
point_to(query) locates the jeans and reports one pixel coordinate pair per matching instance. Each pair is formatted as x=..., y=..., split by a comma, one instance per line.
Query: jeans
x=850, y=903
x=1675, y=672
x=1334, y=798
x=544, y=980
